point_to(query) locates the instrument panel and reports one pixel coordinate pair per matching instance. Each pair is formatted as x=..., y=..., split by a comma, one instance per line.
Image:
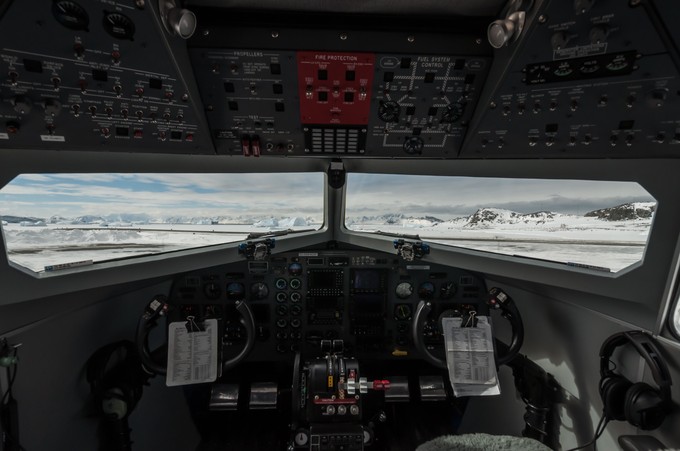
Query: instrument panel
x=366, y=299
x=270, y=102
x=97, y=75
x=599, y=81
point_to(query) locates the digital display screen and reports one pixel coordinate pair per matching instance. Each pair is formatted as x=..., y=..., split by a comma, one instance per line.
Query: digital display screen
x=324, y=280
x=324, y=302
x=367, y=280
x=369, y=304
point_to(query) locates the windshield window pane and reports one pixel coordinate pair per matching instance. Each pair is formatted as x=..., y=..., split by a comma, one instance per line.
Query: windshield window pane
x=602, y=225
x=63, y=219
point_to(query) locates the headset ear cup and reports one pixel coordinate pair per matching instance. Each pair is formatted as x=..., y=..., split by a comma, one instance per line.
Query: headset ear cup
x=613, y=390
x=644, y=406
x=114, y=404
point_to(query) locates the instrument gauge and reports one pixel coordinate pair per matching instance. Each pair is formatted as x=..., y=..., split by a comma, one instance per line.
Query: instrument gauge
x=402, y=312
x=301, y=438
x=235, y=291
x=71, y=15
x=426, y=290
x=295, y=269
x=259, y=291
x=119, y=26
x=404, y=290
x=447, y=290
x=212, y=290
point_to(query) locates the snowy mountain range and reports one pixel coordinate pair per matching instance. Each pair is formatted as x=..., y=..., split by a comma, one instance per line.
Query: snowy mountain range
x=482, y=218
x=490, y=217
x=625, y=212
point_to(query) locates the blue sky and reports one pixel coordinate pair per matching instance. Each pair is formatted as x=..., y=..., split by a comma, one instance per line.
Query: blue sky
x=447, y=197
x=299, y=194
x=162, y=195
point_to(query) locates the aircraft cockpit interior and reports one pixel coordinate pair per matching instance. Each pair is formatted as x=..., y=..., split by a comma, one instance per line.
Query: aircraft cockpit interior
x=286, y=225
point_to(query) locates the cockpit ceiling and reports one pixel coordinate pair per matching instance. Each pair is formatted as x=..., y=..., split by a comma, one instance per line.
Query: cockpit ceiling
x=405, y=7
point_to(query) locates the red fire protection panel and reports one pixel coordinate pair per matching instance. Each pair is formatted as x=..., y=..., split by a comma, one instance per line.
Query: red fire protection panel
x=335, y=87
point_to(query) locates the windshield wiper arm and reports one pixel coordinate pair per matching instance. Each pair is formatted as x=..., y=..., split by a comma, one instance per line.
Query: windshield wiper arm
x=397, y=235
x=253, y=235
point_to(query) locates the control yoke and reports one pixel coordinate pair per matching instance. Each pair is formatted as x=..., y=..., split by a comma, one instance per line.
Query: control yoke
x=158, y=307
x=498, y=299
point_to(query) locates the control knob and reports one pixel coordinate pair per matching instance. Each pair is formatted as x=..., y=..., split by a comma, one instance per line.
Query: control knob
x=177, y=21
x=656, y=98
x=582, y=6
x=413, y=145
x=559, y=40
x=389, y=111
x=22, y=104
x=598, y=34
x=52, y=107
x=453, y=112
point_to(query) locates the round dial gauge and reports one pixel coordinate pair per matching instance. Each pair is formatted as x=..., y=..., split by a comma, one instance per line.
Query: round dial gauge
x=212, y=290
x=119, y=26
x=301, y=438
x=402, y=312
x=71, y=15
x=259, y=291
x=426, y=290
x=447, y=290
x=404, y=290
x=235, y=291
x=295, y=269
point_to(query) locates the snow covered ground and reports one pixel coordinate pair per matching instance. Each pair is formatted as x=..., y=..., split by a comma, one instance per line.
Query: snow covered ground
x=612, y=238
x=588, y=240
x=37, y=247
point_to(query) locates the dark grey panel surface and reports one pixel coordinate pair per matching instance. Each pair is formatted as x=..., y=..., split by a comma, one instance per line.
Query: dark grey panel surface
x=596, y=85
x=249, y=104
x=373, y=320
x=241, y=93
x=80, y=87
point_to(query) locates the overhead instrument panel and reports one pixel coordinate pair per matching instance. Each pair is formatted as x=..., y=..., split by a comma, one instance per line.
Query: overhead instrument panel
x=589, y=79
x=95, y=75
x=326, y=93
x=264, y=102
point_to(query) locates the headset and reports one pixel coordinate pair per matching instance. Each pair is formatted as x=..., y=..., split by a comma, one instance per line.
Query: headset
x=638, y=403
x=116, y=378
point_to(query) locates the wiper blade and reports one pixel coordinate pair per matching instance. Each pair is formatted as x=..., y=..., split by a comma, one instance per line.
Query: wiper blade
x=253, y=235
x=397, y=235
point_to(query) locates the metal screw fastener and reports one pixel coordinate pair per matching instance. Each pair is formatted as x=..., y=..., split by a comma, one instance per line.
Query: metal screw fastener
x=343, y=36
x=542, y=18
x=275, y=34
x=206, y=32
x=411, y=38
x=478, y=41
